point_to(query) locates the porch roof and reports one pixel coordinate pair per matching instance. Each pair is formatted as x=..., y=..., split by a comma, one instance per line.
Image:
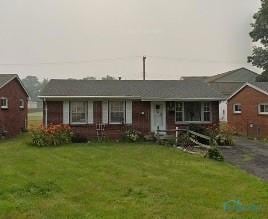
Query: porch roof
x=131, y=89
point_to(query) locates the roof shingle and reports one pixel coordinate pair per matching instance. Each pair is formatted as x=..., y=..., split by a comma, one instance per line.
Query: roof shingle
x=148, y=89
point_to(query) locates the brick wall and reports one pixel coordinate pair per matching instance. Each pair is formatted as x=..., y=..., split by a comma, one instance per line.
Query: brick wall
x=141, y=119
x=13, y=119
x=249, y=122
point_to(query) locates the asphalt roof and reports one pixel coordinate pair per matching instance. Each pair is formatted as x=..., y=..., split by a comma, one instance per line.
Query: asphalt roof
x=237, y=75
x=226, y=88
x=4, y=78
x=148, y=89
x=261, y=85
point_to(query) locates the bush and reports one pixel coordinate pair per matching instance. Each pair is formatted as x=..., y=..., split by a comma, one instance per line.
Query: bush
x=215, y=154
x=184, y=141
x=53, y=135
x=133, y=135
x=76, y=138
x=223, y=135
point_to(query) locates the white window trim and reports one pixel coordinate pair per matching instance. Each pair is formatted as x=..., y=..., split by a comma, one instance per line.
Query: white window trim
x=110, y=111
x=237, y=112
x=23, y=104
x=6, y=106
x=179, y=112
x=203, y=111
x=71, y=118
x=194, y=122
x=259, y=109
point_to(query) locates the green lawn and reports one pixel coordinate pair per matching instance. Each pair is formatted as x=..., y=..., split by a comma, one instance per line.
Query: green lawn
x=34, y=119
x=120, y=181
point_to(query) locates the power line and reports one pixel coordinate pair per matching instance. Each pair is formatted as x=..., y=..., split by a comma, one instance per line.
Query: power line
x=167, y=58
x=74, y=62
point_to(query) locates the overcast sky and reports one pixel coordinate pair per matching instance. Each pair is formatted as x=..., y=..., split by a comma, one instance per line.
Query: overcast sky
x=78, y=38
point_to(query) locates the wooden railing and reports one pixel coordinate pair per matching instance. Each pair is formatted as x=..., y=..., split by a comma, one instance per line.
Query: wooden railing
x=190, y=133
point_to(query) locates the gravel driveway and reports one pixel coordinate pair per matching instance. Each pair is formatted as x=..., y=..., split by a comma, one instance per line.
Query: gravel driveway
x=249, y=155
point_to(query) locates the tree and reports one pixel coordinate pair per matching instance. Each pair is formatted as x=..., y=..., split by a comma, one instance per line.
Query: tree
x=108, y=77
x=89, y=78
x=32, y=85
x=259, y=34
x=43, y=83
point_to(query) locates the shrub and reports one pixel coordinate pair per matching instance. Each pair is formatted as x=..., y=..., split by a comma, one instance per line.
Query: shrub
x=76, y=138
x=215, y=154
x=52, y=135
x=223, y=135
x=184, y=141
x=133, y=135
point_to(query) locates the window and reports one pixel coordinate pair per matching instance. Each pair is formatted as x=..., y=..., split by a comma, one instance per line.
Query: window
x=179, y=112
x=117, y=112
x=263, y=108
x=193, y=112
x=237, y=108
x=206, y=112
x=21, y=104
x=4, y=103
x=79, y=112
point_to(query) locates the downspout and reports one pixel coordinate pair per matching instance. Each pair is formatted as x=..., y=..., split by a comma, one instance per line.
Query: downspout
x=45, y=112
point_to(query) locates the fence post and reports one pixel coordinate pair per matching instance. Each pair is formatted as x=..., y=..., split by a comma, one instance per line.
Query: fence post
x=177, y=135
x=157, y=135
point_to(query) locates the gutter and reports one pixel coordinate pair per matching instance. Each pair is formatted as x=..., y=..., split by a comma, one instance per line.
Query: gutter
x=135, y=97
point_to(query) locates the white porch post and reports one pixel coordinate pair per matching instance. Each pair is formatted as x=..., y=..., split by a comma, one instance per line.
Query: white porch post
x=45, y=113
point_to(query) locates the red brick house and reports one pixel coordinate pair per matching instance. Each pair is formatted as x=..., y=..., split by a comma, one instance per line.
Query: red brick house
x=248, y=109
x=13, y=105
x=141, y=105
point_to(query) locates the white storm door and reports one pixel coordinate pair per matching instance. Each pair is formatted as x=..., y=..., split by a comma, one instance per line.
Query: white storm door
x=158, y=116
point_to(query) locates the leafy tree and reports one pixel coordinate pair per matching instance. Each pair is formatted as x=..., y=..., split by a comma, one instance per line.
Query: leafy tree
x=108, y=77
x=259, y=34
x=43, y=83
x=89, y=78
x=32, y=85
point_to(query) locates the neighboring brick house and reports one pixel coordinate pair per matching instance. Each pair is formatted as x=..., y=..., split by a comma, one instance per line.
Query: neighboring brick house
x=120, y=104
x=13, y=105
x=227, y=83
x=248, y=109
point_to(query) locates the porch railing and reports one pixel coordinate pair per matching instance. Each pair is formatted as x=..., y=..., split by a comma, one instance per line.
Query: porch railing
x=164, y=135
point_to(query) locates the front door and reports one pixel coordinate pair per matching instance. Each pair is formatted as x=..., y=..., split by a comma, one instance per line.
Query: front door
x=158, y=116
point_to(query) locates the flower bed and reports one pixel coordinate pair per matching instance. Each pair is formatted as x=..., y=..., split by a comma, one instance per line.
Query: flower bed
x=53, y=135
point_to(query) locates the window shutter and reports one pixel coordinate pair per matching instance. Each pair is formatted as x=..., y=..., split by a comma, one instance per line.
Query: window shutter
x=66, y=119
x=105, y=112
x=128, y=112
x=90, y=112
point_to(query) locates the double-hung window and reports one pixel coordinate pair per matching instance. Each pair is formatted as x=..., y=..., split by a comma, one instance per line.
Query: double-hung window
x=179, y=112
x=237, y=109
x=206, y=112
x=21, y=104
x=263, y=108
x=4, y=103
x=79, y=112
x=117, y=112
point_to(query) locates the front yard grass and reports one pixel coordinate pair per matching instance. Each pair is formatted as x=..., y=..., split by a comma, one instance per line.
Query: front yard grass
x=120, y=181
